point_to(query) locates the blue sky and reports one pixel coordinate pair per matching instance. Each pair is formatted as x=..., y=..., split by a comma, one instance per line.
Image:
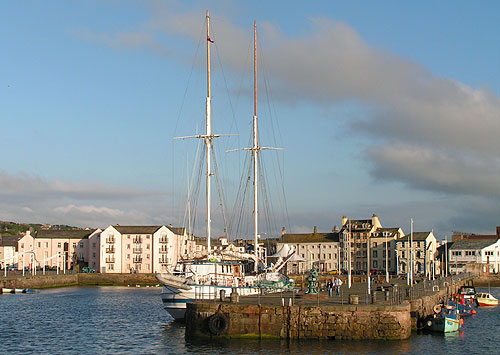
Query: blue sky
x=382, y=107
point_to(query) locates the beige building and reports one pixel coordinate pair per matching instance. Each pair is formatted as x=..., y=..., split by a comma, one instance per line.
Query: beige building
x=318, y=249
x=383, y=243
x=143, y=249
x=424, y=249
x=54, y=247
x=354, y=236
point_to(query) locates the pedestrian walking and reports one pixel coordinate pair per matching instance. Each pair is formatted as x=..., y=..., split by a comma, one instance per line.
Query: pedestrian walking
x=329, y=287
x=337, y=284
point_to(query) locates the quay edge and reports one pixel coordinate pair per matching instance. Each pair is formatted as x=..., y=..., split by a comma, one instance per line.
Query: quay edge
x=299, y=322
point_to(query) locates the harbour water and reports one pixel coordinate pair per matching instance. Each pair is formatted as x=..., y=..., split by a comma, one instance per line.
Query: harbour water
x=131, y=320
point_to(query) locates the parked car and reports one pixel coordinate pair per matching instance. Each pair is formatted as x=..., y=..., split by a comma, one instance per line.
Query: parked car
x=86, y=269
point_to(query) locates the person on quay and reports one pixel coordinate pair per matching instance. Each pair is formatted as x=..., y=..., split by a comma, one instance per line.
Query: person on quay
x=329, y=287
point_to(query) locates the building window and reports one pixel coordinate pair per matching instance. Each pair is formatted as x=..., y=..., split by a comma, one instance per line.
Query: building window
x=93, y=255
x=147, y=237
x=375, y=263
x=46, y=244
x=374, y=253
x=58, y=245
x=81, y=245
x=147, y=256
x=128, y=256
x=147, y=246
x=128, y=246
x=74, y=245
x=93, y=245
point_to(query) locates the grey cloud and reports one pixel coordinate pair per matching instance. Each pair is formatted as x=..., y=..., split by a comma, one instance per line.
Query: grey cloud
x=432, y=169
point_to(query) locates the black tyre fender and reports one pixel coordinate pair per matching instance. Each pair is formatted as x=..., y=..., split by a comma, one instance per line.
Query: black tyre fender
x=218, y=324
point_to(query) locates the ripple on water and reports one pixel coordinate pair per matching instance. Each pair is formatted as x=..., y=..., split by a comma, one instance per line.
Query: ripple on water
x=132, y=320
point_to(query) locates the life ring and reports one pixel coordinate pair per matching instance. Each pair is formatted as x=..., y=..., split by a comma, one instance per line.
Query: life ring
x=437, y=308
x=218, y=324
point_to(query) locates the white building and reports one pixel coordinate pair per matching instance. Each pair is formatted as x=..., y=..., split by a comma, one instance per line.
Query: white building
x=321, y=250
x=143, y=249
x=469, y=252
x=422, y=252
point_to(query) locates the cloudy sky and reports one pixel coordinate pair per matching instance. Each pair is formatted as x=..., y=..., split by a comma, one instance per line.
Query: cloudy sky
x=389, y=107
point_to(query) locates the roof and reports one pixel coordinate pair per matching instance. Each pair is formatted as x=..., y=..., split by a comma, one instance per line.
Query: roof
x=357, y=224
x=136, y=229
x=392, y=232
x=417, y=236
x=146, y=229
x=64, y=234
x=310, y=238
x=9, y=240
x=472, y=244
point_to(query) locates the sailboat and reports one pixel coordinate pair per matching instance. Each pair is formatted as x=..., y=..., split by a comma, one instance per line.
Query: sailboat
x=219, y=273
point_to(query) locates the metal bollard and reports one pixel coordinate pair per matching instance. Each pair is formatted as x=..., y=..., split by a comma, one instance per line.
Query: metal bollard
x=222, y=295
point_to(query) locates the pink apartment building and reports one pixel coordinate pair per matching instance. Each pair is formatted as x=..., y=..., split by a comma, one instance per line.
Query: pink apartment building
x=54, y=247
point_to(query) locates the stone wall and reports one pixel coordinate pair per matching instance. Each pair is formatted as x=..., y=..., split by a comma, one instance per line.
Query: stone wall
x=46, y=281
x=299, y=322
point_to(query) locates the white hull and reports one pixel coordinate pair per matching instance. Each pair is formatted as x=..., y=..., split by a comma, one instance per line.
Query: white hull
x=175, y=299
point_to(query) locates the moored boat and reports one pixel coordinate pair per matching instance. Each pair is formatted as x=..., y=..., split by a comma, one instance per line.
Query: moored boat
x=446, y=321
x=485, y=299
x=215, y=272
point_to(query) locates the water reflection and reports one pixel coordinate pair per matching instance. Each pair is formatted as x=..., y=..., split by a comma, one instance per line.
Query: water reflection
x=131, y=321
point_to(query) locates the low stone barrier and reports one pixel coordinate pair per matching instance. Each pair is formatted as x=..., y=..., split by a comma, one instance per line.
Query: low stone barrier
x=61, y=280
x=205, y=319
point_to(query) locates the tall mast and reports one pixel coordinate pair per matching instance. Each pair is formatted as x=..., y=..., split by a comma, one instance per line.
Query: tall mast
x=255, y=149
x=208, y=135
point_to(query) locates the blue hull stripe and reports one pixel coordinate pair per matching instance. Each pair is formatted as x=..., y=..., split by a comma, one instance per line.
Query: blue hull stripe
x=182, y=300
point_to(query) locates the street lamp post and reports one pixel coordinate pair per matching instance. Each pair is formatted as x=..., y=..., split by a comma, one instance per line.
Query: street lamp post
x=411, y=254
x=386, y=260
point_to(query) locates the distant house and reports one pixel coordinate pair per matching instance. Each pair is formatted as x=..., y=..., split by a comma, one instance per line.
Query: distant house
x=424, y=249
x=8, y=249
x=482, y=255
x=319, y=249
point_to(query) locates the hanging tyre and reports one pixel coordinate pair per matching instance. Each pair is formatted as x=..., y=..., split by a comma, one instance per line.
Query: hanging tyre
x=218, y=324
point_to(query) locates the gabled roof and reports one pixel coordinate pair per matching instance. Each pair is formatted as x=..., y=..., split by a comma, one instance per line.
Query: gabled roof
x=146, y=229
x=472, y=244
x=417, y=236
x=310, y=238
x=9, y=240
x=136, y=229
x=64, y=234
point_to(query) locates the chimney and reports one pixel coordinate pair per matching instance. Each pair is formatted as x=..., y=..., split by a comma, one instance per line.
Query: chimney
x=344, y=220
x=315, y=230
x=283, y=230
x=375, y=221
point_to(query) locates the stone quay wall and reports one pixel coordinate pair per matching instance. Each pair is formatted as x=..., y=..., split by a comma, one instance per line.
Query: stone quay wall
x=61, y=280
x=299, y=322
x=422, y=307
